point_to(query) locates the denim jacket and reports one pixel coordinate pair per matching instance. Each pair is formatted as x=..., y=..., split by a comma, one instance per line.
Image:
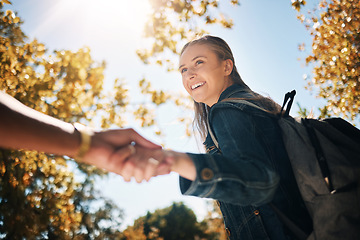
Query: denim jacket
x=250, y=170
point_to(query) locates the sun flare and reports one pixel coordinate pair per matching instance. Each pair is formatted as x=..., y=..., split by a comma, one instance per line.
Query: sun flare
x=121, y=16
x=116, y=13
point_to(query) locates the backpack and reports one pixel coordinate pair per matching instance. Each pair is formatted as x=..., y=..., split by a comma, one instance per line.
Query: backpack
x=325, y=158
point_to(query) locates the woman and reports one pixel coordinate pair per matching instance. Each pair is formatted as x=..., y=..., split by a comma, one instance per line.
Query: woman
x=250, y=169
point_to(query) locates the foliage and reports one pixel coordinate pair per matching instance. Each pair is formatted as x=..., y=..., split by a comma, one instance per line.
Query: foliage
x=145, y=112
x=335, y=29
x=174, y=222
x=167, y=31
x=297, y=4
x=215, y=222
x=303, y=112
x=39, y=194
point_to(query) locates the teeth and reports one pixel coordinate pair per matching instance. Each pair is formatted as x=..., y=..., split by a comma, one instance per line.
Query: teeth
x=197, y=85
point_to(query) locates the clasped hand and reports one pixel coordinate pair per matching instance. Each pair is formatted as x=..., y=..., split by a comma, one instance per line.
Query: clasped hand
x=144, y=163
x=115, y=151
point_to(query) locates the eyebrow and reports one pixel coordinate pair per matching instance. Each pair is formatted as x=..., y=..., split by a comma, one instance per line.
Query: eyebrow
x=192, y=60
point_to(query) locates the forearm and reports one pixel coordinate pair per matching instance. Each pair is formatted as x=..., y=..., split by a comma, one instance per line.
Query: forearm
x=24, y=128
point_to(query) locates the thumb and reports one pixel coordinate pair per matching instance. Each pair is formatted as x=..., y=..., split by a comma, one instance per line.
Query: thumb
x=143, y=142
x=121, y=137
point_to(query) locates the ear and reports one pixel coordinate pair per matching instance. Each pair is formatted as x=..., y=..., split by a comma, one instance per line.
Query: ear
x=228, y=67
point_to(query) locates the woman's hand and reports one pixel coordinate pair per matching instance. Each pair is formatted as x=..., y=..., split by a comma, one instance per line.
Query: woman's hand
x=146, y=163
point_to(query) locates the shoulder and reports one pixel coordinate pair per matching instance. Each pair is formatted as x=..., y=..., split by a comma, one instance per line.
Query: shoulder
x=228, y=114
x=240, y=106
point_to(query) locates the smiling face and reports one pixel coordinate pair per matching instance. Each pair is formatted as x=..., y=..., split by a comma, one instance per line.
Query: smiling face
x=204, y=75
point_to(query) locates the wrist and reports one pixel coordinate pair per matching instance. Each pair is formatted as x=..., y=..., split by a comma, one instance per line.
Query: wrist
x=182, y=164
x=85, y=135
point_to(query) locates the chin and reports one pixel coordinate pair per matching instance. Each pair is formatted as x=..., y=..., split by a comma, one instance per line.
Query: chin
x=197, y=100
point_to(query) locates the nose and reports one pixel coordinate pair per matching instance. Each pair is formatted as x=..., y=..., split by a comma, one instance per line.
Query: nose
x=190, y=74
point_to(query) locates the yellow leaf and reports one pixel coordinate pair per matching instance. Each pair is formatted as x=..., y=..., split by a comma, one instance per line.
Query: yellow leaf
x=16, y=20
x=40, y=47
x=6, y=1
x=82, y=74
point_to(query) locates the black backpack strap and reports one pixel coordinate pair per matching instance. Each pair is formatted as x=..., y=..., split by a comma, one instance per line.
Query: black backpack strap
x=296, y=230
x=288, y=97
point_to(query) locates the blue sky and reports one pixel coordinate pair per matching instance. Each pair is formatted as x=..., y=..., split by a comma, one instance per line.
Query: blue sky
x=264, y=41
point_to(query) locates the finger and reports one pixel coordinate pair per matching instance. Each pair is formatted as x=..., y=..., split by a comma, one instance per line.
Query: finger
x=118, y=158
x=151, y=168
x=138, y=174
x=128, y=171
x=166, y=164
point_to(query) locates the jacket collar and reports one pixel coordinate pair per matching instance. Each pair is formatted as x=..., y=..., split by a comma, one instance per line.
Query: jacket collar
x=235, y=88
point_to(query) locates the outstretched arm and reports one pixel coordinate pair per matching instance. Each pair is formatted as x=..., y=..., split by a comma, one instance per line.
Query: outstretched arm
x=24, y=128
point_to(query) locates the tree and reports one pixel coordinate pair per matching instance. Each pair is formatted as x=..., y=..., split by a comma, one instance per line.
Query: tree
x=174, y=222
x=40, y=196
x=215, y=222
x=335, y=55
x=167, y=32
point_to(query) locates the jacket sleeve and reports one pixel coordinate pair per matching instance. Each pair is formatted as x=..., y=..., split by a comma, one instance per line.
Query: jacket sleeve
x=241, y=173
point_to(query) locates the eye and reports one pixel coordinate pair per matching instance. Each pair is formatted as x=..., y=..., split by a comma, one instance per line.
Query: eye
x=199, y=62
x=183, y=70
